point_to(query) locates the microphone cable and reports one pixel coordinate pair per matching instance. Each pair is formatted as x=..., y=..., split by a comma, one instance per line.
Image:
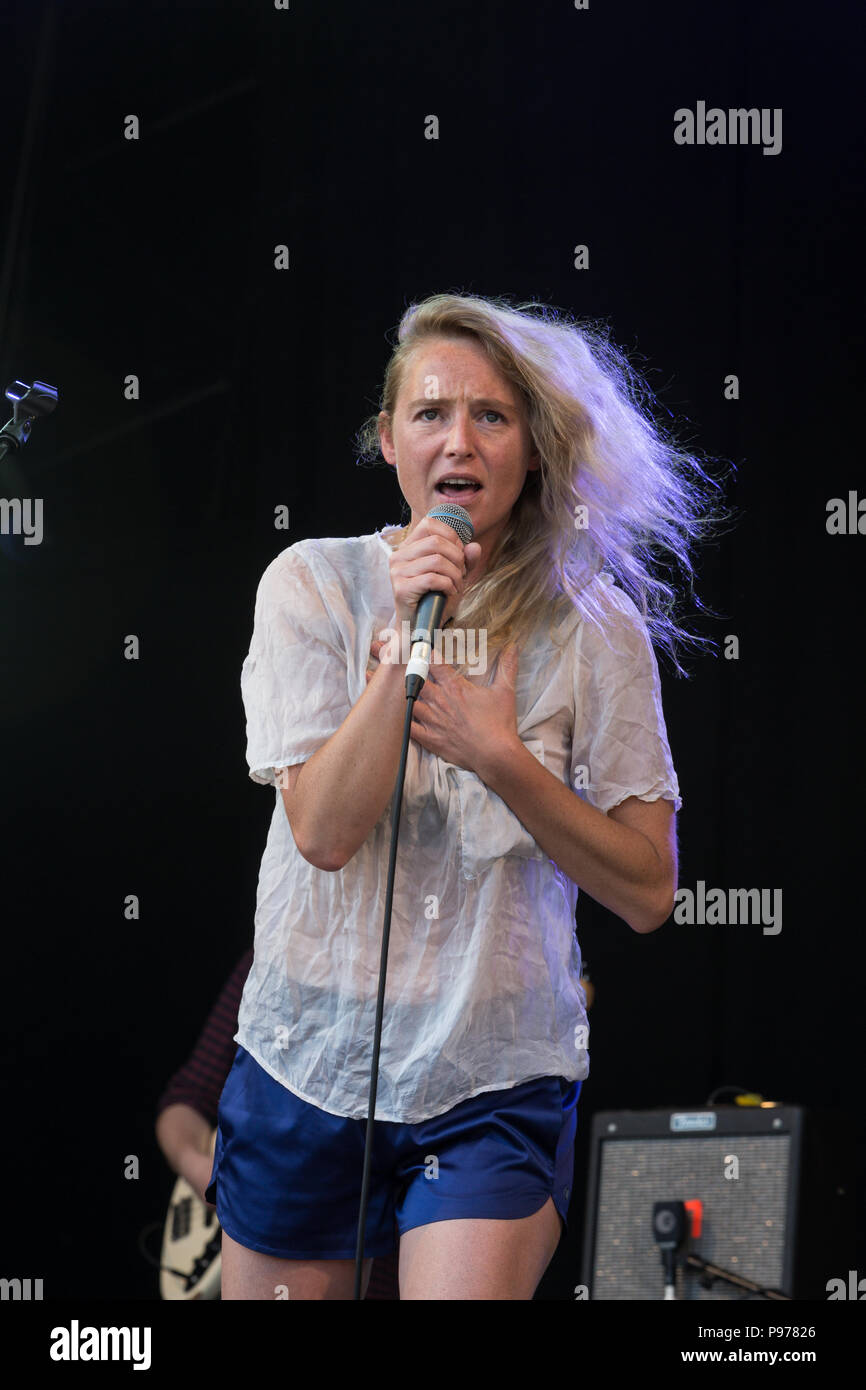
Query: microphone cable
x=429, y=614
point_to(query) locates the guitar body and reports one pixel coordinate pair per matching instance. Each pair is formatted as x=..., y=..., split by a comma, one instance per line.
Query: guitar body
x=191, y=1263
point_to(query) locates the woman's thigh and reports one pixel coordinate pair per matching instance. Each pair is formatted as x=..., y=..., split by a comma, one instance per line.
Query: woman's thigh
x=248, y=1274
x=479, y=1258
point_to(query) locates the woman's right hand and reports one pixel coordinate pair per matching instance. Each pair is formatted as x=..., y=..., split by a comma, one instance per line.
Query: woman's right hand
x=432, y=560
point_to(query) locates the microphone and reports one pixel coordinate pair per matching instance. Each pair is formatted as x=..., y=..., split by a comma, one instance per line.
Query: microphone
x=428, y=615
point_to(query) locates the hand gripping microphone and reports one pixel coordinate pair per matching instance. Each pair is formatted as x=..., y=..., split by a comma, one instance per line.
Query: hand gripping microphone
x=429, y=613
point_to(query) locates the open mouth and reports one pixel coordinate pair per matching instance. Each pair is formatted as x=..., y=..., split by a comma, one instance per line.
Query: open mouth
x=457, y=492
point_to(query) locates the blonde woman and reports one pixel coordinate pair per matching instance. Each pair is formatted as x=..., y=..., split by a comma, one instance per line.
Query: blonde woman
x=539, y=770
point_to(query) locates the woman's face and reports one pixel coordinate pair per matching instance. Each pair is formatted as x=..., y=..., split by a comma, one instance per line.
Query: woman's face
x=456, y=414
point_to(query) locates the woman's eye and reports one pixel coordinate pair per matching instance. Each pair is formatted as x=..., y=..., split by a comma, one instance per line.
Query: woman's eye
x=434, y=410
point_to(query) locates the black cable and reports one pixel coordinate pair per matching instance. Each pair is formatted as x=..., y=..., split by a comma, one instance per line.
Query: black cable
x=721, y=1090
x=144, y=1235
x=396, y=804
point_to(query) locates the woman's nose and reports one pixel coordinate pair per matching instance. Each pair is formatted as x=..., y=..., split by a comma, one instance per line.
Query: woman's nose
x=460, y=434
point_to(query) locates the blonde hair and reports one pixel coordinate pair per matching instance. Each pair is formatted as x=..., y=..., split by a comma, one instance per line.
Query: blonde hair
x=590, y=417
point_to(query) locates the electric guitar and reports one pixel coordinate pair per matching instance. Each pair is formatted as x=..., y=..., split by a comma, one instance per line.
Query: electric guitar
x=191, y=1261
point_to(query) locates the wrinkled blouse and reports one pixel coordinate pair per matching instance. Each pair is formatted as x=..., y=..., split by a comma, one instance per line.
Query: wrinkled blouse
x=483, y=986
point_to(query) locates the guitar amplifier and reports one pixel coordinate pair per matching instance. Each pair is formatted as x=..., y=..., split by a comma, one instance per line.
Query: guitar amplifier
x=775, y=1186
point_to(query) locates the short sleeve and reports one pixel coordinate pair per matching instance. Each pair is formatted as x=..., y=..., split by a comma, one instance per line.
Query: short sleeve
x=620, y=746
x=294, y=679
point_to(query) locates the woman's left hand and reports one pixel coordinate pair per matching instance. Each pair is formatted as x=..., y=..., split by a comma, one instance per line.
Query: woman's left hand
x=465, y=723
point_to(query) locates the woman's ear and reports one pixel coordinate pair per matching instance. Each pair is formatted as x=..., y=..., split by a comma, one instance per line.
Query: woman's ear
x=386, y=441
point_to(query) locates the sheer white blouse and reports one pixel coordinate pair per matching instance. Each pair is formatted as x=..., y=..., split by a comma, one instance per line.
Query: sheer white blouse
x=483, y=986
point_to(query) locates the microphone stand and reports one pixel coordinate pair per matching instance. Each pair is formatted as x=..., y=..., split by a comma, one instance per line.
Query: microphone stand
x=670, y=1228
x=31, y=402
x=710, y=1272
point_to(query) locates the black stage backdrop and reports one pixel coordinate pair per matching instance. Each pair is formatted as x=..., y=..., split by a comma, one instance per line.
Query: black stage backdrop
x=154, y=257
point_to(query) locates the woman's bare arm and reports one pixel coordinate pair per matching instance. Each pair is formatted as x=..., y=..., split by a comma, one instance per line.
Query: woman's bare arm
x=334, y=799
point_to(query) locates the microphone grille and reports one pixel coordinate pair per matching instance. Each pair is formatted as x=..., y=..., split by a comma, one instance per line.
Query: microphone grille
x=456, y=517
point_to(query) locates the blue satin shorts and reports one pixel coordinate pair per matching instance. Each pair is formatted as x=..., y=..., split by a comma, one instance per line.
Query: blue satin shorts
x=286, y=1177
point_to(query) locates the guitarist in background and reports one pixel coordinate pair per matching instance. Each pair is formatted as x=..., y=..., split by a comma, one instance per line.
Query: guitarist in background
x=186, y=1112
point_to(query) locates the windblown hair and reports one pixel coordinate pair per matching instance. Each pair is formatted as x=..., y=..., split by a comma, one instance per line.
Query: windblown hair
x=614, y=492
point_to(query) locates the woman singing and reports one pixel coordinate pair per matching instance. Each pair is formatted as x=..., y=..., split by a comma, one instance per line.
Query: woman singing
x=539, y=764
